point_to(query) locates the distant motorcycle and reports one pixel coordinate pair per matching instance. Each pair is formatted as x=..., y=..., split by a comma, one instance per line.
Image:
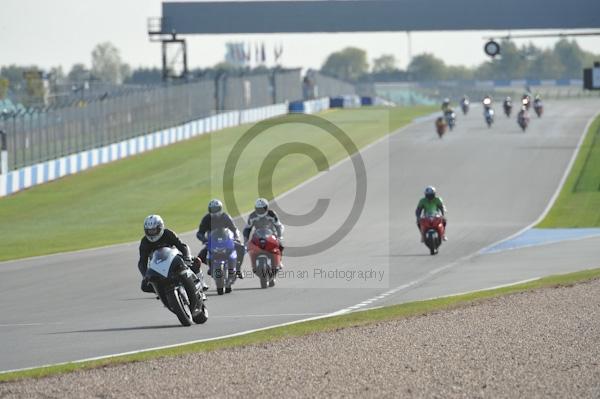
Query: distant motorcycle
x=177, y=286
x=526, y=101
x=538, y=107
x=440, y=126
x=523, y=119
x=488, y=111
x=464, y=105
x=450, y=117
x=432, y=228
x=265, y=255
x=222, y=259
x=507, y=105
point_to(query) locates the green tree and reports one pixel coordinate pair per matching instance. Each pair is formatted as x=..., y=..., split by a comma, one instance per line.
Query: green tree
x=512, y=62
x=34, y=87
x=145, y=76
x=427, y=67
x=459, y=72
x=107, y=65
x=56, y=75
x=571, y=56
x=15, y=75
x=78, y=74
x=546, y=65
x=384, y=64
x=348, y=64
x=4, y=84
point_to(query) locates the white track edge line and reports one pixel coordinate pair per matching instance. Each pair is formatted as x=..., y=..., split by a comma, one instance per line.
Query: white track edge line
x=241, y=333
x=556, y=192
x=482, y=250
x=381, y=296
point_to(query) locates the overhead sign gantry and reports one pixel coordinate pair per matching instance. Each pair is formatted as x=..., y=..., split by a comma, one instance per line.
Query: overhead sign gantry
x=312, y=16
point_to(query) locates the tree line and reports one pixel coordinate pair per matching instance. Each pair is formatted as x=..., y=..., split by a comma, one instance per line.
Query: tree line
x=565, y=60
x=31, y=85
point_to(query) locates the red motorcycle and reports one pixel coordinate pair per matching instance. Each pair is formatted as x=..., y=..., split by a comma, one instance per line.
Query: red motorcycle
x=432, y=228
x=440, y=126
x=265, y=255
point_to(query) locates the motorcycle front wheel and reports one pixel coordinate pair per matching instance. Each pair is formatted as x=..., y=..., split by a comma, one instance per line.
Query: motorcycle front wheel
x=179, y=307
x=262, y=272
x=219, y=276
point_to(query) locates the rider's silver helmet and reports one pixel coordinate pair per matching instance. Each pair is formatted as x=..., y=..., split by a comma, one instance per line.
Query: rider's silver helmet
x=154, y=227
x=430, y=192
x=261, y=206
x=215, y=207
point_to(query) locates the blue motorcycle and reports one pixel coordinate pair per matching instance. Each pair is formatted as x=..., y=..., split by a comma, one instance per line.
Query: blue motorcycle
x=222, y=259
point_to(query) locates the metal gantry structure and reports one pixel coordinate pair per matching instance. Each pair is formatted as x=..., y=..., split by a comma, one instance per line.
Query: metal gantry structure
x=318, y=16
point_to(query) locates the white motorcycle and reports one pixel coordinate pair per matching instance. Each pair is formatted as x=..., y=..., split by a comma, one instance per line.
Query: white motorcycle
x=177, y=286
x=488, y=111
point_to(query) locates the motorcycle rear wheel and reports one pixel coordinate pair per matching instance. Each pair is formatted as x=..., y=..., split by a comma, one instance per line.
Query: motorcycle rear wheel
x=202, y=316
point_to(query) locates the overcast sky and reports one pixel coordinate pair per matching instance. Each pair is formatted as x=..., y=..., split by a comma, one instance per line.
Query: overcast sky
x=63, y=32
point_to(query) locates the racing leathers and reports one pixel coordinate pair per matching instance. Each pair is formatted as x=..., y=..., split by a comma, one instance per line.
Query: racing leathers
x=168, y=239
x=222, y=221
x=429, y=207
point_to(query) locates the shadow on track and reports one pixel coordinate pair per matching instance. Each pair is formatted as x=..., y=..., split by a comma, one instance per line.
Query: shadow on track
x=118, y=329
x=404, y=255
x=211, y=294
x=138, y=299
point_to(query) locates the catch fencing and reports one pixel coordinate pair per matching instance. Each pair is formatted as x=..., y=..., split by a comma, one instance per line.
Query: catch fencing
x=316, y=85
x=38, y=135
x=43, y=172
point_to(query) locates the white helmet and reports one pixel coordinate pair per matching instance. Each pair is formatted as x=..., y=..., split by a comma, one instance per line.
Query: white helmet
x=215, y=207
x=430, y=192
x=261, y=206
x=154, y=227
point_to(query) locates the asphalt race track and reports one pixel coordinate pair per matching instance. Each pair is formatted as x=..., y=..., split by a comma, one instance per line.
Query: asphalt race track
x=495, y=182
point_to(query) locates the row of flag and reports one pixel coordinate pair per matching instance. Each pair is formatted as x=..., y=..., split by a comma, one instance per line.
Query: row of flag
x=248, y=53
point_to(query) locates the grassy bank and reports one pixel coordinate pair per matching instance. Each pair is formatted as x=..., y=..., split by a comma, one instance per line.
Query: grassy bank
x=579, y=200
x=107, y=204
x=320, y=325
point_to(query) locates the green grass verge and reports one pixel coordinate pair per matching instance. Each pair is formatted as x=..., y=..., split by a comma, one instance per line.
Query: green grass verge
x=107, y=204
x=579, y=200
x=314, y=326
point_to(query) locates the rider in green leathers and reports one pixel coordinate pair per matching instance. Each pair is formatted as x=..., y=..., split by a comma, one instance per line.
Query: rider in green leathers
x=430, y=204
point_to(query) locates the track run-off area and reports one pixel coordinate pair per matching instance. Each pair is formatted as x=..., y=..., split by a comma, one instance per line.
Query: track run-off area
x=495, y=182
